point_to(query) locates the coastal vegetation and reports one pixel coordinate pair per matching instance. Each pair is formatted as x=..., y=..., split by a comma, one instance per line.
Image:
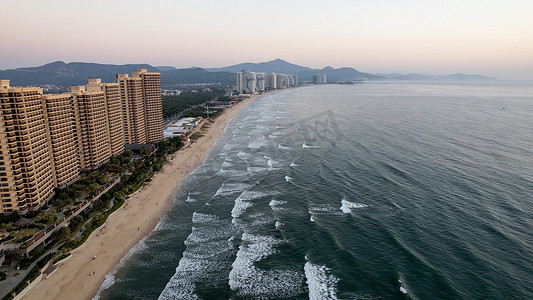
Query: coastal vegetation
x=173, y=105
x=134, y=168
x=77, y=210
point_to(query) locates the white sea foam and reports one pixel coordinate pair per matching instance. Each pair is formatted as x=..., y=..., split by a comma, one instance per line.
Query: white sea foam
x=262, y=128
x=245, y=200
x=203, y=259
x=239, y=207
x=347, y=206
x=325, y=209
x=226, y=164
x=304, y=145
x=252, y=195
x=278, y=224
x=166, y=226
x=253, y=169
x=322, y=285
x=229, y=146
x=261, y=220
x=159, y=226
x=232, y=173
x=244, y=155
x=402, y=288
x=198, y=218
x=270, y=161
x=275, y=202
x=231, y=188
x=277, y=205
x=273, y=164
x=257, y=142
x=110, y=278
x=251, y=282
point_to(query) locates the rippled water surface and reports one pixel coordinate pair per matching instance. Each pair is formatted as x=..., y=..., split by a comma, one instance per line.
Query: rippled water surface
x=368, y=191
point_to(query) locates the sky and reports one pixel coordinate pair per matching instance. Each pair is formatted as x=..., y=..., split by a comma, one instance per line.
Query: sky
x=490, y=37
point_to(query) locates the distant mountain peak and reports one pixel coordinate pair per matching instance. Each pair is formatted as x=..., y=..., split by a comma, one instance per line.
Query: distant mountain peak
x=274, y=66
x=58, y=62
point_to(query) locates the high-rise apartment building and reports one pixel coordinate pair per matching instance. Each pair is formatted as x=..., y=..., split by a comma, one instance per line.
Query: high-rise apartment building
x=253, y=82
x=153, y=109
x=115, y=125
x=246, y=82
x=61, y=137
x=133, y=115
x=25, y=163
x=47, y=140
x=270, y=82
x=295, y=76
x=320, y=79
x=260, y=84
x=91, y=127
x=279, y=81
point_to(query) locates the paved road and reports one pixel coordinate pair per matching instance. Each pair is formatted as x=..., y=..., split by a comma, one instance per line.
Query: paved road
x=11, y=282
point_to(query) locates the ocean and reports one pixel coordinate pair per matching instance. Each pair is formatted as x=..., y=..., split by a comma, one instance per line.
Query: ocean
x=379, y=190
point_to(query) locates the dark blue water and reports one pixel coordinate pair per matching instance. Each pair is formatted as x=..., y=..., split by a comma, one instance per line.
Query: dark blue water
x=369, y=191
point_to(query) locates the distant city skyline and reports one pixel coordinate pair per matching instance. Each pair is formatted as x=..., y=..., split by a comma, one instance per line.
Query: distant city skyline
x=432, y=37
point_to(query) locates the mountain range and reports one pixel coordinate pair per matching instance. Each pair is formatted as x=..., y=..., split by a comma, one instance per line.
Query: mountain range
x=76, y=73
x=304, y=73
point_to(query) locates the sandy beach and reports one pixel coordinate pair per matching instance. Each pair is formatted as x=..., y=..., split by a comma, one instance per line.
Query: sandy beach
x=74, y=279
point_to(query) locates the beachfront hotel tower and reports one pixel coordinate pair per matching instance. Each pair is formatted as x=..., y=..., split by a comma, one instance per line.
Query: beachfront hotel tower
x=61, y=137
x=91, y=127
x=260, y=84
x=133, y=115
x=48, y=140
x=142, y=111
x=320, y=79
x=246, y=82
x=115, y=127
x=255, y=82
x=25, y=163
x=153, y=109
x=270, y=82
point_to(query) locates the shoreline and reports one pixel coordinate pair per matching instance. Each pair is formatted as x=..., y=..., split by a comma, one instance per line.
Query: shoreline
x=81, y=276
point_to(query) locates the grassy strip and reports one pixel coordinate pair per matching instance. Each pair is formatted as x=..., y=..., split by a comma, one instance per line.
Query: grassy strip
x=97, y=222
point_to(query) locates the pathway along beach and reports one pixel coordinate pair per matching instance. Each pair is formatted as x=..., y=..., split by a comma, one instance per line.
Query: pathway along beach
x=80, y=276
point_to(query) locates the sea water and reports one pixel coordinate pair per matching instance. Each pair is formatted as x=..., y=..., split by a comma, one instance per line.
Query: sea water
x=381, y=190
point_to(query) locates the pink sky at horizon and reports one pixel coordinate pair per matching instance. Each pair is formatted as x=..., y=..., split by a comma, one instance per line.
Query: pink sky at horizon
x=433, y=37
